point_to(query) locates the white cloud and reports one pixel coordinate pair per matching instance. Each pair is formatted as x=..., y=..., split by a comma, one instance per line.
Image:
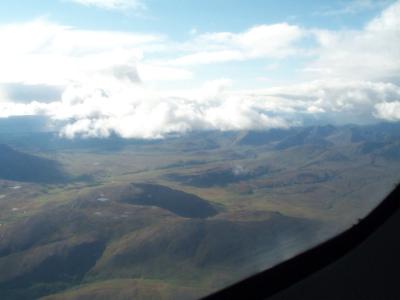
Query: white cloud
x=154, y=72
x=45, y=53
x=142, y=113
x=354, y=7
x=112, y=4
x=371, y=54
x=276, y=40
x=108, y=85
x=388, y=111
x=135, y=111
x=337, y=101
x=41, y=52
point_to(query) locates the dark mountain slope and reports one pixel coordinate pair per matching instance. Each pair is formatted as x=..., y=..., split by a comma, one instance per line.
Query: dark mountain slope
x=178, y=202
x=258, y=138
x=55, y=248
x=146, y=194
x=19, y=166
x=307, y=136
x=219, y=176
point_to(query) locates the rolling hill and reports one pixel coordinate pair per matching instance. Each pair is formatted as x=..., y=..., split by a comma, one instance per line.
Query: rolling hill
x=180, y=217
x=19, y=166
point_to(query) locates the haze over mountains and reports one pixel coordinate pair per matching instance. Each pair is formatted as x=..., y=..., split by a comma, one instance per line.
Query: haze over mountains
x=179, y=217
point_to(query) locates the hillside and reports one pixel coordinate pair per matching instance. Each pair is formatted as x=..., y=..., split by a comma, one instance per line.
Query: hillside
x=91, y=241
x=19, y=166
x=181, y=217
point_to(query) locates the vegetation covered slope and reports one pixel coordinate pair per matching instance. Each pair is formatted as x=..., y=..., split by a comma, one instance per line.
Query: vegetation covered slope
x=18, y=166
x=181, y=217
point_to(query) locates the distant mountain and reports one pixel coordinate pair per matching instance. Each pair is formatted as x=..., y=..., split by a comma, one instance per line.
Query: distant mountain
x=52, y=141
x=19, y=166
x=25, y=124
x=38, y=133
x=257, y=138
x=292, y=137
x=370, y=138
x=383, y=132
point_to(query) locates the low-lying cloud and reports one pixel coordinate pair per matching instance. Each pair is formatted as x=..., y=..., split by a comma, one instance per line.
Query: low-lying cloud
x=135, y=112
x=388, y=111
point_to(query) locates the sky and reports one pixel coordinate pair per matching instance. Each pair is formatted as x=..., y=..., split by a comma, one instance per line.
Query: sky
x=148, y=68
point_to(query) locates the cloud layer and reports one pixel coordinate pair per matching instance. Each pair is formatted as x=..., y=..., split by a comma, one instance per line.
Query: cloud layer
x=135, y=111
x=372, y=53
x=276, y=41
x=103, y=82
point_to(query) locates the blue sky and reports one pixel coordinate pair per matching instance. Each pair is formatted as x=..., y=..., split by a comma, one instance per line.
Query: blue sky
x=105, y=66
x=179, y=20
x=176, y=17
